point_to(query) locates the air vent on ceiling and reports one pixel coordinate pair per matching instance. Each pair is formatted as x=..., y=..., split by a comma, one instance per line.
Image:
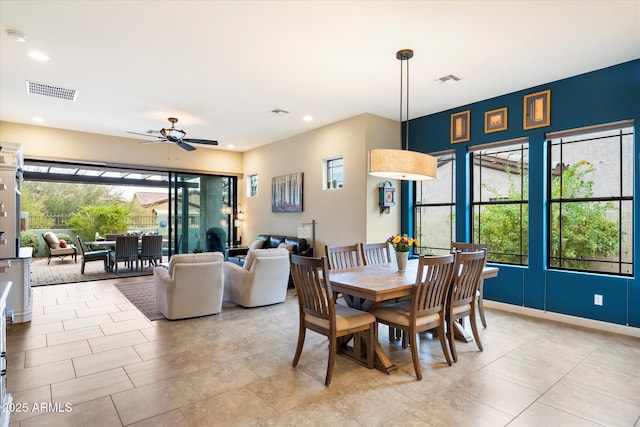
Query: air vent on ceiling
x=449, y=79
x=52, y=91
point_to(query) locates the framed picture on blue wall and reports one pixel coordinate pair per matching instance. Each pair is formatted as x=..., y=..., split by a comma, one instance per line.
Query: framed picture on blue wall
x=460, y=127
x=495, y=120
x=537, y=109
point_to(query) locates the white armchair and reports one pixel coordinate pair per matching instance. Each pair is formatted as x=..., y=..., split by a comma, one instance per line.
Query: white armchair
x=263, y=279
x=192, y=286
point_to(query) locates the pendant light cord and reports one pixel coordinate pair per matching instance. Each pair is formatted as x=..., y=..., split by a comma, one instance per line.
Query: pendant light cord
x=406, y=133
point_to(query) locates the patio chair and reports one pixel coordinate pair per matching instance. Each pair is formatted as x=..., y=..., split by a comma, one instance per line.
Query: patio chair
x=88, y=256
x=54, y=248
x=126, y=250
x=151, y=250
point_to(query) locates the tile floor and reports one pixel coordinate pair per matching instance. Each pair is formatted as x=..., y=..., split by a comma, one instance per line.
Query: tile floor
x=90, y=358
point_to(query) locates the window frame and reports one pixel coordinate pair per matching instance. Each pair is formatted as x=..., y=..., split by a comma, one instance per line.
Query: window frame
x=328, y=172
x=250, y=185
x=523, y=202
x=586, y=134
x=444, y=156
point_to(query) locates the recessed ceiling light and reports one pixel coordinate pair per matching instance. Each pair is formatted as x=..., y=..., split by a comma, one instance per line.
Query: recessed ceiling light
x=231, y=146
x=17, y=36
x=307, y=118
x=38, y=119
x=38, y=56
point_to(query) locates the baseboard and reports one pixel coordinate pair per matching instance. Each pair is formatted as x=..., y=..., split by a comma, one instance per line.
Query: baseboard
x=564, y=318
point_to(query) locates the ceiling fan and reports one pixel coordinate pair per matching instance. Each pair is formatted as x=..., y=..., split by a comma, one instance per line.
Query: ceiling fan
x=177, y=136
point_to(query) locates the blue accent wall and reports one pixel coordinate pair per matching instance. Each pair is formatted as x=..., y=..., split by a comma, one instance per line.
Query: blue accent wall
x=603, y=96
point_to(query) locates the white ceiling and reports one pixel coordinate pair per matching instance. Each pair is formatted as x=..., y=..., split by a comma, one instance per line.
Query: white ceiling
x=221, y=67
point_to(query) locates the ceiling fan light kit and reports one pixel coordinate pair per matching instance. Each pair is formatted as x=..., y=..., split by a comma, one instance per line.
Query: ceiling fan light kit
x=176, y=136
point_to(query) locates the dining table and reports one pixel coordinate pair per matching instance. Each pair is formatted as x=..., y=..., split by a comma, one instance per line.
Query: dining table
x=366, y=287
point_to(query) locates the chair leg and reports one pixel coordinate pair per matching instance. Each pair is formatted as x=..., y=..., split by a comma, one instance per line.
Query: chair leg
x=301, y=333
x=474, y=329
x=443, y=343
x=333, y=348
x=82, y=267
x=413, y=343
x=451, y=339
x=481, y=304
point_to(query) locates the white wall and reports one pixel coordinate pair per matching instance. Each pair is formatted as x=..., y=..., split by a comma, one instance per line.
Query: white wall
x=345, y=216
x=40, y=142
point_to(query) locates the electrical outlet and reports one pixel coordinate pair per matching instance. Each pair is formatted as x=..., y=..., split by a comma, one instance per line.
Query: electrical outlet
x=597, y=299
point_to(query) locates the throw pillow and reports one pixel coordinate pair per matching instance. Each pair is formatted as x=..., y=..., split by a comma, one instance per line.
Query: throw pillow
x=286, y=246
x=256, y=244
x=63, y=243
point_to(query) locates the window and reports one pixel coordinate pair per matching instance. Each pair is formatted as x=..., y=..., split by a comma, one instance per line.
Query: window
x=252, y=185
x=590, y=193
x=500, y=197
x=434, y=210
x=334, y=173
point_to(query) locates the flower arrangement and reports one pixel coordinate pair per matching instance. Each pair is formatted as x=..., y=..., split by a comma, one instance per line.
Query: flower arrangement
x=402, y=243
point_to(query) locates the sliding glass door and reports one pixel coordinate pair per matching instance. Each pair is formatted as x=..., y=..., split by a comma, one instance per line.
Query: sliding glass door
x=201, y=209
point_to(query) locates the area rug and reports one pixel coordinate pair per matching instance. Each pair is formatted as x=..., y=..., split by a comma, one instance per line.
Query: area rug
x=143, y=296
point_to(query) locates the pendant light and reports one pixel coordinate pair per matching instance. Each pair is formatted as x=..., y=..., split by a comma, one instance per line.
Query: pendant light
x=402, y=164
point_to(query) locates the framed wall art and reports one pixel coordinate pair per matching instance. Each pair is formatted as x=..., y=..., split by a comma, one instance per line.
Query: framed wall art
x=286, y=193
x=537, y=109
x=495, y=120
x=460, y=127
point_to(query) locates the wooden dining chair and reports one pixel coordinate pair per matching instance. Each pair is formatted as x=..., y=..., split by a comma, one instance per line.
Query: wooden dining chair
x=341, y=257
x=320, y=313
x=375, y=253
x=465, y=247
x=463, y=299
x=427, y=307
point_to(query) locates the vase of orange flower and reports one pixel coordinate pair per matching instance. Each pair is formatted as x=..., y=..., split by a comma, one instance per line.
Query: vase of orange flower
x=402, y=244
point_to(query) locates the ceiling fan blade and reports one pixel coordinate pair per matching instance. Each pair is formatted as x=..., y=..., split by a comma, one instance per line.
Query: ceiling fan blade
x=185, y=146
x=200, y=141
x=143, y=134
x=153, y=141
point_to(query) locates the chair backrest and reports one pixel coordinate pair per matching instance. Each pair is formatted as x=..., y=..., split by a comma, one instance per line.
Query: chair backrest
x=375, y=253
x=311, y=279
x=435, y=274
x=51, y=240
x=151, y=246
x=341, y=257
x=81, y=245
x=193, y=259
x=466, y=277
x=466, y=247
x=126, y=247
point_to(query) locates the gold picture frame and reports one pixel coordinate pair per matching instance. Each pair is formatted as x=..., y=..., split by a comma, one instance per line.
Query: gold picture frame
x=537, y=110
x=460, y=127
x=495, y=120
